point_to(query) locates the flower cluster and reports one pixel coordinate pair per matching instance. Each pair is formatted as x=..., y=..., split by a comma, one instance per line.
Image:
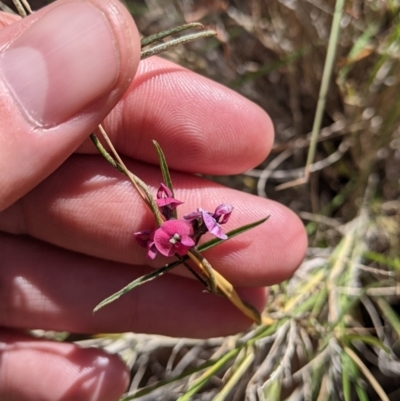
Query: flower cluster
x=177, y=236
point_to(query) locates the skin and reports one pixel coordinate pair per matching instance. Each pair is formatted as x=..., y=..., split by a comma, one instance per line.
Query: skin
x=67, y=220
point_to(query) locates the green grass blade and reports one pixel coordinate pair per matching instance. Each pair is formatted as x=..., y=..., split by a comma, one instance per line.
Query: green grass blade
x=383, y=259
x=391, y=316
x=206, y=376
x=367, y=373
x=371, y=340
x=326, y=79
x=149, y=389
x=244, y=365
x=346, y=385
x=361, y=393
x=360, y=44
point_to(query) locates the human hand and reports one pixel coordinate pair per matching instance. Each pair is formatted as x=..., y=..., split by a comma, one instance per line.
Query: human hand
x=67, y=220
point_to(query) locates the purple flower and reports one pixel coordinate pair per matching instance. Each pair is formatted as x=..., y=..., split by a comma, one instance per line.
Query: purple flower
x=165, y=202
x=222, y=213
x=174, y=236
x=145, y=239
x=206, y=221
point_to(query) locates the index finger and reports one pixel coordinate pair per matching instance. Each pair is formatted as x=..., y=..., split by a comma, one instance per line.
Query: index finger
x=202, y=126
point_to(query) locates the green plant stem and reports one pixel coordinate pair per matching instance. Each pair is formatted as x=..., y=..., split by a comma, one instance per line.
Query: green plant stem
x=326, y=77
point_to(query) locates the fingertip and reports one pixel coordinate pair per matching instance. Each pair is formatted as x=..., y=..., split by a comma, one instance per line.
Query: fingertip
x=289, y=242
x=82, y=57
x=40, y=369
x=202, y=126
x=268, y=253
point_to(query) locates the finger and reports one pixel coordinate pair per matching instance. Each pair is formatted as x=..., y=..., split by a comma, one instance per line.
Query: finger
x=62, y=69
x=33, y=369
x=202, y=126
x=46, y=287
x=7, y=19
x=87, y=206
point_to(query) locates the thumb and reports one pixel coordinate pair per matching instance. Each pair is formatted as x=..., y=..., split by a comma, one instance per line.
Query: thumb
x=62, y=70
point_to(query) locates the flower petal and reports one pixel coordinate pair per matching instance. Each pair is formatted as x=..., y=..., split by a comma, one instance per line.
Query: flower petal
x=171, y=202
x=151, y=251
x=212, y=226
x=187, y=241
x=193, y=215
x=164, y=192
x=142, y=237
x=224, y=210
x=172, y=229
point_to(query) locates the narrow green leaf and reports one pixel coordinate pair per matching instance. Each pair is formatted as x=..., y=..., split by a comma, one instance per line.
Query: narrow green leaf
x=326, y=81
x=162, y=383
x=206, y=376
x=359, y=45
x=175, y=42
x=148, y=40
x=105, y=154
x=320, y=302
x=216, y=241
x=367, y=373
x=240, y=371
x=361, y=393
x=136, y=283
x=371, y=340
x=165, y=171
x=350, y=373
x=346, y=385
x=390, y=314
x=379, y=258
x=274, y=389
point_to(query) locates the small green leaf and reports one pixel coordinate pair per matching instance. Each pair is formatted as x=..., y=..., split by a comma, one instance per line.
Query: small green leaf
x=136, y=283
x=165, y=171
x=105, y=154
x=216, y=241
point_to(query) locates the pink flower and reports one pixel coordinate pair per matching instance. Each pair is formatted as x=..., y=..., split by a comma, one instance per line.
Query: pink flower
x=165, y=202
x=174, y=236
x=206, y=221
x=145, y=239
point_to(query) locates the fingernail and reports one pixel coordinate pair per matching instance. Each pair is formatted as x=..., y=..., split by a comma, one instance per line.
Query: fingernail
x=61, y=63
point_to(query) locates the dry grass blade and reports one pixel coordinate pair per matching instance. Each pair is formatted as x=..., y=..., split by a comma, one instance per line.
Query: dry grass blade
x=377, y=387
